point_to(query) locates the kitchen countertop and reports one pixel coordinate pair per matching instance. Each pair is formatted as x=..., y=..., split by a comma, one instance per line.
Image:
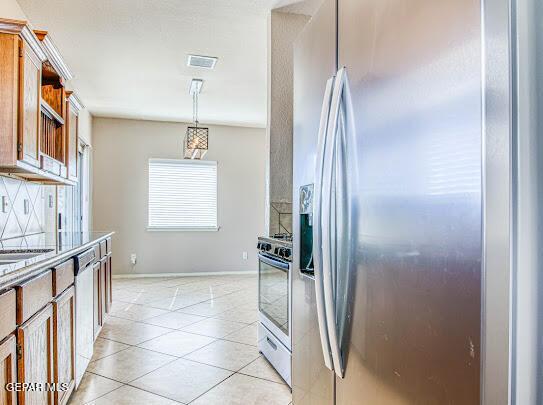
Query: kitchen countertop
x=56, y=247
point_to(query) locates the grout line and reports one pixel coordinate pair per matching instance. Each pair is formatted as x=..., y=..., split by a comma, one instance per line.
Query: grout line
x=141, y=348
x=165, y=364
x=212, y=365
x=199, y=396
x=262, y=378
x=180, y=357
x=157, y=394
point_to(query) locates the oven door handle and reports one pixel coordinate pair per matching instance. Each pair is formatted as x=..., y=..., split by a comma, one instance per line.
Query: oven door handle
x=274, y=263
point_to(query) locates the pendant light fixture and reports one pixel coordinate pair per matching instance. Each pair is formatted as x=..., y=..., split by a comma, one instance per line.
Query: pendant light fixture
x=196, y=139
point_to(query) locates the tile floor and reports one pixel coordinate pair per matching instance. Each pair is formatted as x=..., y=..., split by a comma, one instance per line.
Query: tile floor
x=183, y=340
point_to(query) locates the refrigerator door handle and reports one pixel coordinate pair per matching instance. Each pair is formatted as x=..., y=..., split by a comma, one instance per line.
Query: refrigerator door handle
x=317, y=231
x=328, y=222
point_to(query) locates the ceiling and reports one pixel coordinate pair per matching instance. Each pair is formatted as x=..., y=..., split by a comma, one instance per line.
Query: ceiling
x=129, y=56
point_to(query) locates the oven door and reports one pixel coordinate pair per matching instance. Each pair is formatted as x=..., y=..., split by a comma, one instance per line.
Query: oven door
x=274, y=300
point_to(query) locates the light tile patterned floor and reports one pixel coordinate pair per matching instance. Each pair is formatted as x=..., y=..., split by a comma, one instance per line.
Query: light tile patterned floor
x=181, y=340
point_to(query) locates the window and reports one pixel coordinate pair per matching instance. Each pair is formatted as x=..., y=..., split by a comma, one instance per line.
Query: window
x=182, y=194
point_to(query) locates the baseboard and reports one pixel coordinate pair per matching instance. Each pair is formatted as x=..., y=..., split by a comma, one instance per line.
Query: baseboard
x=190, y=274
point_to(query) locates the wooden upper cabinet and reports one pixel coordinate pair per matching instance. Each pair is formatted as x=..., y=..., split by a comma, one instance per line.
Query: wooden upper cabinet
x=35, y=141
x=35, y=361
x=8, y=370
x=29, y=104
x=21, y=57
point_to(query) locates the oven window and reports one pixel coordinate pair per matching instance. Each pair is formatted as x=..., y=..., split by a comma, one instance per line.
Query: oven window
x=273, y=296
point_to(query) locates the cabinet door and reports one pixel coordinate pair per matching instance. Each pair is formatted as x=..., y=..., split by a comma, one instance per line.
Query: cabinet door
x=35, y=363
x=103, y=290
x=8, y=369
x=71, y=143
x=63, y=344
x=109, y=284
x=97, y=293
x=29, y=106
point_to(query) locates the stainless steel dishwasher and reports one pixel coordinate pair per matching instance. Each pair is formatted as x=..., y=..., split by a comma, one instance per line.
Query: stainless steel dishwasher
x=84, y=334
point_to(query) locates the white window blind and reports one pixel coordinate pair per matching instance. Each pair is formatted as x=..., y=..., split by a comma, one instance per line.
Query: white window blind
x=182, y=194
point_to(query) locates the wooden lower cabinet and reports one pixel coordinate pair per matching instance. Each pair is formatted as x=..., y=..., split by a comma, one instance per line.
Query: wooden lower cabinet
x=35, y=361
x=64, y=344
x=103, y=290
x=97, y=297
x=8, y=369
x=109, y=284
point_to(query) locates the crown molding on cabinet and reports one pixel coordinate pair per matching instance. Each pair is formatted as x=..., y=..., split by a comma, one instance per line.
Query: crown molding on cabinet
x=53, y=55
x=75, y=102
x=22, y=28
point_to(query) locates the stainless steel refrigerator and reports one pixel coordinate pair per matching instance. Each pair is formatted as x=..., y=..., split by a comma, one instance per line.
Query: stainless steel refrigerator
x=389, y=214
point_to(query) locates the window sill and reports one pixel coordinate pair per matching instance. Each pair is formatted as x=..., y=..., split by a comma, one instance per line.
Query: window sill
x=181, y=229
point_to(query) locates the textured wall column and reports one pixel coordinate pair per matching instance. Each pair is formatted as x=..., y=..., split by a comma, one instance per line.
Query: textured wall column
x=283, y=28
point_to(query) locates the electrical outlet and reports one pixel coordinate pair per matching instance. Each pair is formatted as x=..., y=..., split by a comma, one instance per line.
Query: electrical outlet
x=133, y=258
x=244, y=255
x=5, y=204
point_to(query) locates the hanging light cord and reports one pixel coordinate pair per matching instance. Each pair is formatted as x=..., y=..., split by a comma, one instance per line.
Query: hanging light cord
x=195, y=107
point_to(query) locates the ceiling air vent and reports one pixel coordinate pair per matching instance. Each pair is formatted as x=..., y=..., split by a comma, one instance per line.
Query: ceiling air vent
x=206, y=62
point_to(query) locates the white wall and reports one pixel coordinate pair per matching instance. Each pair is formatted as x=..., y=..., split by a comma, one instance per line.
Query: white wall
x=121, y=149
x=11, y=9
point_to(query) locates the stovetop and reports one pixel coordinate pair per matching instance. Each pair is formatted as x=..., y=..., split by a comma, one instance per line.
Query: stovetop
x=276, y=247
x=287, y=237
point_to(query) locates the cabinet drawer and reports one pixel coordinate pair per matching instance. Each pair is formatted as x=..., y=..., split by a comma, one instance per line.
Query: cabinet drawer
x=63, y=276
x=108, y=245
x=103, y=249
x=84, y=259
x=7, y=313
x=33, y=295
x=51, y=165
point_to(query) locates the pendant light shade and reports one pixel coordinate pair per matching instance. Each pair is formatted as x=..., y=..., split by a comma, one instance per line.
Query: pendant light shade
x=196, y=140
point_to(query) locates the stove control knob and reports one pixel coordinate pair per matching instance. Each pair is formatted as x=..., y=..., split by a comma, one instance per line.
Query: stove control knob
x=259, y=246
x=287, y=253
x=267, y=247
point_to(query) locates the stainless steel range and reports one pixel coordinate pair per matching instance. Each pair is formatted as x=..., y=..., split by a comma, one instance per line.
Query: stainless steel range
x=275, y=302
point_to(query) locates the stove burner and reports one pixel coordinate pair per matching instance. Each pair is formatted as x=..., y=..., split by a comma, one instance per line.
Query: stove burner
x=276, y=247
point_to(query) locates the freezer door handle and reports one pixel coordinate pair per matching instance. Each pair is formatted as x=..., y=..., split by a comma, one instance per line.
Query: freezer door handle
x=328, y=220
x=317, y=232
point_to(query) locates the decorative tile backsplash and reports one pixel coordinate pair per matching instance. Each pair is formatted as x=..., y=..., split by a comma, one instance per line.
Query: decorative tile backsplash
x=26, y=208
x=280, y=218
